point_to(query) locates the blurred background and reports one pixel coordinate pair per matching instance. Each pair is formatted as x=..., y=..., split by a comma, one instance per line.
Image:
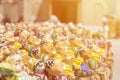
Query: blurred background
x=92, y=13
x=88, y=12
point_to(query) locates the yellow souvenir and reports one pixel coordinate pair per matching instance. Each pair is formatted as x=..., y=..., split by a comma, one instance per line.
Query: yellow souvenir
x=32, y=61
x=18, y=45
x=77, y=62
x=24, y=52
x=101, y=52
x=95, y=56
x=68, y=71
x=58, y=56
x=71, y=52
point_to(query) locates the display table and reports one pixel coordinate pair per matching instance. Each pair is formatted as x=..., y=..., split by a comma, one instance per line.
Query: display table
x=47, y=51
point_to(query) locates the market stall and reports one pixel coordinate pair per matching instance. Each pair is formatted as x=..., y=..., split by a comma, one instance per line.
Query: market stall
x=47, y=51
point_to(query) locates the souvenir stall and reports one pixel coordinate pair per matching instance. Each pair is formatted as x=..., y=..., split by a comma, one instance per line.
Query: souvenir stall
x=52, y=40
x=47, y=51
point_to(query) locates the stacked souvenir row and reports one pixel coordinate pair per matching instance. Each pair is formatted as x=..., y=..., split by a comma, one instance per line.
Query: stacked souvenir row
x=46, y=51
